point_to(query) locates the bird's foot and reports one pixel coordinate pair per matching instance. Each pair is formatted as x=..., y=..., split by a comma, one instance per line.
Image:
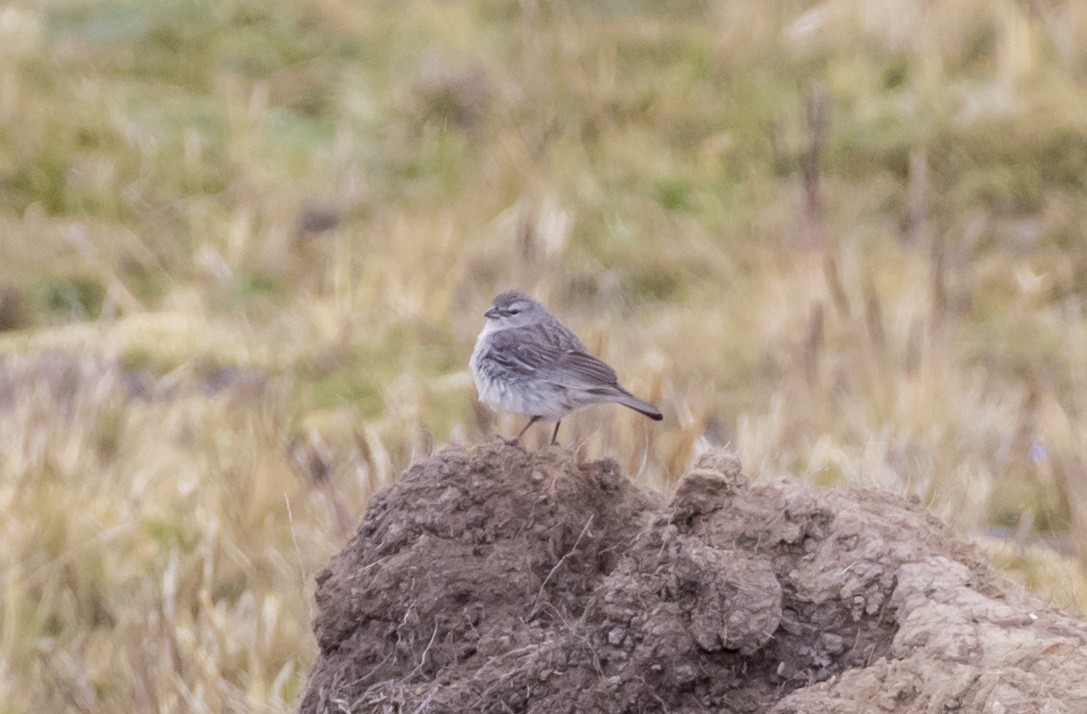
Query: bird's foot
x=509, y=442
x=555, y=433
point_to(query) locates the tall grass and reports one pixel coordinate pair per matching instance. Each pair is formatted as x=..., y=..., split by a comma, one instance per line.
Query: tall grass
x=246, y=245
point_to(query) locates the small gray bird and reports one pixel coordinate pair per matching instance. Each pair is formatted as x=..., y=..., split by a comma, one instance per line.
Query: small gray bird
x=527, y=362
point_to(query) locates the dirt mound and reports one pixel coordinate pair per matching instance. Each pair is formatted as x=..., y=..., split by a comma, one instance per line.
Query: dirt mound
x=493, y=580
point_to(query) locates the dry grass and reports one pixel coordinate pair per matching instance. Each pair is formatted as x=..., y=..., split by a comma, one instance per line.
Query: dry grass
x=246, y=245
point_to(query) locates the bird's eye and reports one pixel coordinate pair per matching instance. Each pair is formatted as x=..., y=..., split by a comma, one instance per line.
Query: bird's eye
x=514, y=310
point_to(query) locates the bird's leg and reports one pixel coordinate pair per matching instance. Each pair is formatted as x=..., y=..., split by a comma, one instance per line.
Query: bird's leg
x=555, y=434
x=513, y=442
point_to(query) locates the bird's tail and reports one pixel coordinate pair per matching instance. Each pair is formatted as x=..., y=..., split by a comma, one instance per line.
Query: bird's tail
x=629, y=400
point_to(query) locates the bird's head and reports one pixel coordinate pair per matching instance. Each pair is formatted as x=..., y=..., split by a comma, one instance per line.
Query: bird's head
x=514, y=309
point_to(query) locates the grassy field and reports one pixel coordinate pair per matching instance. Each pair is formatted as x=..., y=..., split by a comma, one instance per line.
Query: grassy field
x=245, y=245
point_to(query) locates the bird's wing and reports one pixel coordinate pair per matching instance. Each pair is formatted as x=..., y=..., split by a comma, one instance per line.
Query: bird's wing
x=575, y=368
x=554, y=355
x=522, y=352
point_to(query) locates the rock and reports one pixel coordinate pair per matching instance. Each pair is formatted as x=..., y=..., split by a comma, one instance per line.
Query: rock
x=489, y=579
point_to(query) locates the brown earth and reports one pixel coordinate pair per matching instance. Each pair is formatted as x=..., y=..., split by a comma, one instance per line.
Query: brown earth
x=489, y=579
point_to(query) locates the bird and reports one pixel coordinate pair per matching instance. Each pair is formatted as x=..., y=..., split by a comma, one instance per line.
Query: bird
x=527, y=362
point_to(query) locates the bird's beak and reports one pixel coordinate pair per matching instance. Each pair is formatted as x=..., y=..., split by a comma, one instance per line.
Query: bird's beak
x=492, y=313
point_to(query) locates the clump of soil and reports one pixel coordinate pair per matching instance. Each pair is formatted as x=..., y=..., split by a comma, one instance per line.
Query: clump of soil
x=489, y=579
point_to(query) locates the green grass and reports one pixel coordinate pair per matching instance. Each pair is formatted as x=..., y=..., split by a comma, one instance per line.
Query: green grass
x=247, y=245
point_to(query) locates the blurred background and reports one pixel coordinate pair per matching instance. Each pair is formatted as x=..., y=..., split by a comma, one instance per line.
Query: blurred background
x=245, y=246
